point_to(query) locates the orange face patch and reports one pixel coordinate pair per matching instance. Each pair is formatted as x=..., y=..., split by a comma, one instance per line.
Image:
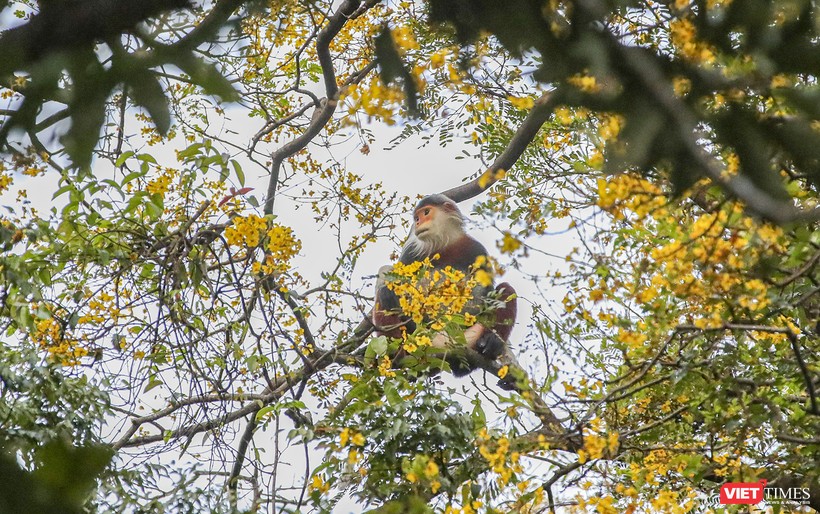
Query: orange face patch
x=424, y=216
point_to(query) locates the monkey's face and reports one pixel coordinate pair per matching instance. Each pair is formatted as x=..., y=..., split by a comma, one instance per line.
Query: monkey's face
x=437, y=223
x=436, y=226
x=425, y=222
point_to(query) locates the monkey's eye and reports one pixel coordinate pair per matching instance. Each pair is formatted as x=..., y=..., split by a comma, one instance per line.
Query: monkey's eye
x=426, y=211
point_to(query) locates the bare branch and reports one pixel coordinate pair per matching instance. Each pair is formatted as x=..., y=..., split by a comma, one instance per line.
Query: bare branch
x=525, y=134
x=807, y=378
x=209, y=24
x=323, y=113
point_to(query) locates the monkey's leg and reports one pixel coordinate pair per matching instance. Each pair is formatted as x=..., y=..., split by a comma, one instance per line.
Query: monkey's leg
x=442, y=341
x=486, y=342
x=478, y=338
x=490, y=342
x=386, y=316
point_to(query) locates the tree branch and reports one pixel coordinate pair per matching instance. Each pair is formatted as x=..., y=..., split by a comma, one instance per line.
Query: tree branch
x=525, y=134
x=638, y=63
x=209, y=24
x=323, y=113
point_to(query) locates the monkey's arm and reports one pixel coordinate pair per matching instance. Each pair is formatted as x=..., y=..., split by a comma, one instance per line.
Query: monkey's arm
x=491, y=340
x=386, y=316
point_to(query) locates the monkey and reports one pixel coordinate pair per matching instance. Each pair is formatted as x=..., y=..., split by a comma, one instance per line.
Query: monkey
x=438, y=233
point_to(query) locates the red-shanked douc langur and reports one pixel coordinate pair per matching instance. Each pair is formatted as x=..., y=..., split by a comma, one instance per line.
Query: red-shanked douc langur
x=438, y=234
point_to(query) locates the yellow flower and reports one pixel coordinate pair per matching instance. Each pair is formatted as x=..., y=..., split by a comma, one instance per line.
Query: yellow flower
x=596, y=295
x=5, y=182
x=484, y=179
x=586, y=83
x=630, y=338
x=438, y=59
x=524, y=103
x=318, y=484
x=404, y=39
x=510, y=243
x=484, y=278
x=684, y=37
x=647, y=295
x=385, y=367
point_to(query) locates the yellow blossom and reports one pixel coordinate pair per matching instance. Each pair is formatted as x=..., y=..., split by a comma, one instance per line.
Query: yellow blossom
x=684, y=37
x=438, y=59
x=503, y=371
x=510, y=243
x=586, y=83
x=524, y=103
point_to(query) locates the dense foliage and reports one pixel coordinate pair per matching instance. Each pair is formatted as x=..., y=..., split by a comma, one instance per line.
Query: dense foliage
x=197, y=197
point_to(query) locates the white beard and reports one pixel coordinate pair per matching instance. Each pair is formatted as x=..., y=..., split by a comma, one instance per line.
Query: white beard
x=435, y=240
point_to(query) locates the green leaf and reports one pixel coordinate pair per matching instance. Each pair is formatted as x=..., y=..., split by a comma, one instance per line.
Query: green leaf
x=123, y=157
x=63, y=190
x=240, y=175
x=84, y=132
x=147, y=92
x=206, y=75
x=392, y=394
x=378, y=345
x=393, y=69
x=92, y=85
x=477, y=415
x=152, y=383
x=147, y=157
x=264, y=411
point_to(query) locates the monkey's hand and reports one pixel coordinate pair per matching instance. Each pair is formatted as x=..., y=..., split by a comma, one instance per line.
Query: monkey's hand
x=478, y=338
x=484, y=341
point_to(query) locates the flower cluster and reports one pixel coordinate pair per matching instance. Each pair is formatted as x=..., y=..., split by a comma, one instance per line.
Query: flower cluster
x=596, y=446
x=5, y=181
x=49, y=335
x=161, y=184
x=586, y=83
x=422, y=470
x=246, y=231
x=377, y=100
x=282, y=247
x=684, y=37
x=501, y=460
x=100, y=309
x=629, y=191
x=425, y=292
